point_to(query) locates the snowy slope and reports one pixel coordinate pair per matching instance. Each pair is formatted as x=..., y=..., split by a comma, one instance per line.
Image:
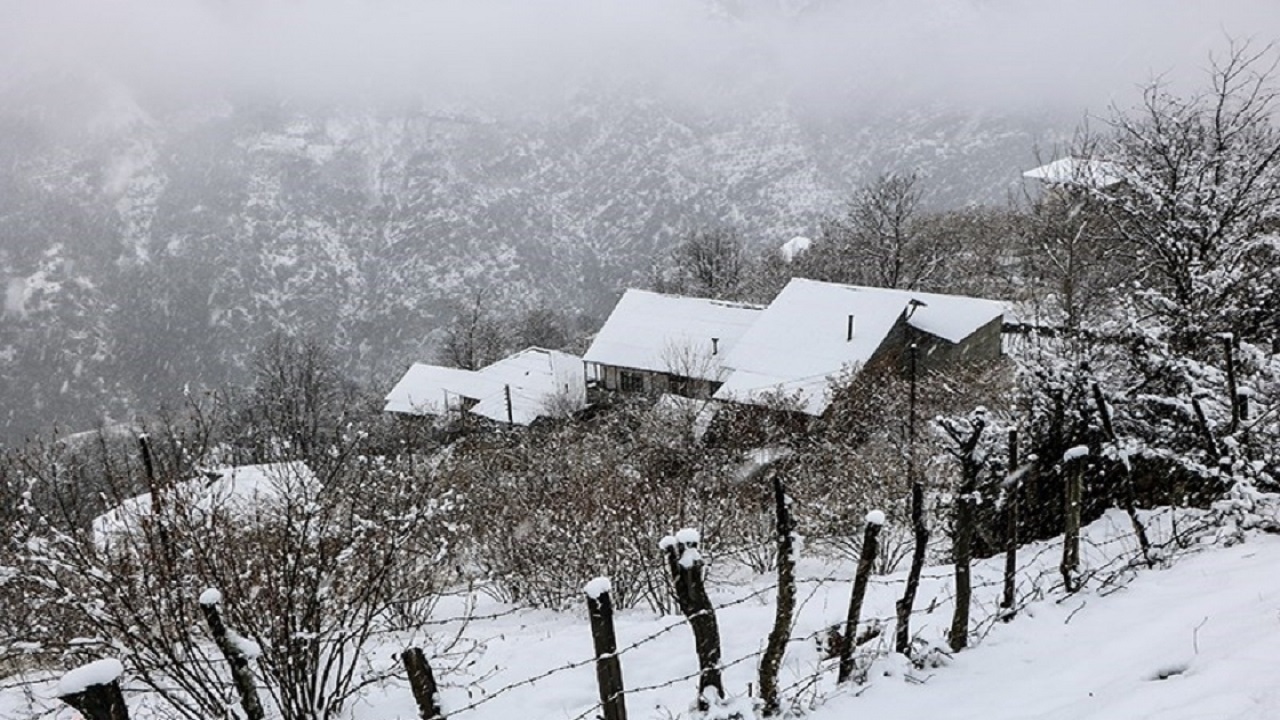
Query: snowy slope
x=1211, y=622
x=1194, y=641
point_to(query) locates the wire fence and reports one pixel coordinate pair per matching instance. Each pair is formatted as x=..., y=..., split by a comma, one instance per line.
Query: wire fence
x=1107, y=565
x=1109, y=561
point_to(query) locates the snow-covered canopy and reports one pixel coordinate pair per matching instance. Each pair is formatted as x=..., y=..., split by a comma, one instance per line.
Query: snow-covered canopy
x=541, y=382
x=814, y=330
x=1077, y=171
x=233, y=489
x=671, y=334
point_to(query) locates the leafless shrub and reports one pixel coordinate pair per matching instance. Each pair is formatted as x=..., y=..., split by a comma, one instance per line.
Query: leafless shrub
x=314, y=567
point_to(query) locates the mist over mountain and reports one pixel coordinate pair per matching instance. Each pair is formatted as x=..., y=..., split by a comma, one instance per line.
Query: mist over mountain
x=181, y=178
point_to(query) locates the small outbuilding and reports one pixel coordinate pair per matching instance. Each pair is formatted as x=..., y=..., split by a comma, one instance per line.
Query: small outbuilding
x=516, y=390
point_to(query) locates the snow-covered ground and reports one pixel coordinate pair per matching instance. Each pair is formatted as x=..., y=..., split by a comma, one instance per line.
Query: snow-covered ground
x=1199, y=638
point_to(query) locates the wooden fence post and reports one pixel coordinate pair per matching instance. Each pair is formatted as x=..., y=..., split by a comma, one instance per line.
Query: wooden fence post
x=866, y=559
x=235, y=653
x=605, y=640
x=423, y=683
x=685, y=564
x=1074, y=468
x=94, y=690
x=1012, y=490
x=776, y=646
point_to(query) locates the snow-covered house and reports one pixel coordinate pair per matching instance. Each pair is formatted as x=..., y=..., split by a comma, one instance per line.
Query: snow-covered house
x=516, y=390
x=655, y=343
x=813, y=331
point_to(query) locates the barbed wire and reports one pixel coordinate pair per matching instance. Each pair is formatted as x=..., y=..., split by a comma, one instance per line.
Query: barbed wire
x=1103, y=568
x=1035, y=583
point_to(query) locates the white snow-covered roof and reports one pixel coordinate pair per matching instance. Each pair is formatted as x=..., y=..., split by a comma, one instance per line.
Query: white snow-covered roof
x=235, y=489
x=435, y=389
x=802, y=339
x=671, y=334
x=793, y=247
x=1077, y=171
x=541, y=382
x=950, y=317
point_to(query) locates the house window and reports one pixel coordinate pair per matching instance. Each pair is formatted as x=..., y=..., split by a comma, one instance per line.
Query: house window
x=630, y=382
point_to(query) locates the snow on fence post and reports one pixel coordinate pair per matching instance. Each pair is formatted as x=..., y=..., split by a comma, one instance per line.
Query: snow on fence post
x=1073, y=463
x=94, y=690
x=605, y=640
x=423, y=683
x=776, y=645
x=849, y=639
x=237, y=650
x=1012, y=490
x=685, y=564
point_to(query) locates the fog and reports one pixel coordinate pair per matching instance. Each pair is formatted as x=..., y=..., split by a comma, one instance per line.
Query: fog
x=518, y=54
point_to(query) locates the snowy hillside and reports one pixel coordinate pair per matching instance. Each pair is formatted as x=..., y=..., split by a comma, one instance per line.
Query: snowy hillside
x=1192, y=639
x=146, y=256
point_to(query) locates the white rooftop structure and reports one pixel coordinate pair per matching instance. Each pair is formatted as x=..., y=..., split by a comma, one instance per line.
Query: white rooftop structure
x=814, y=330
x=794, y=247
x=242, y=491
x=671, y=334
x=1077, y=171
x=436, y=390
x=540, y=383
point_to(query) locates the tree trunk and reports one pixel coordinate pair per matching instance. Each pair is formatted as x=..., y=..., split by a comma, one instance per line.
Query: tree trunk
x=1127, y=491
x=905, y=605
x=1233, y=392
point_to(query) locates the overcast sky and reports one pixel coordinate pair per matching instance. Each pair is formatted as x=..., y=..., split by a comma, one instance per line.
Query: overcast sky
x=989, y=53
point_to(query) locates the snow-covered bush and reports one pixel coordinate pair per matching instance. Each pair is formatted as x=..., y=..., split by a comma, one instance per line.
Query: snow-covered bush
x=313, y=567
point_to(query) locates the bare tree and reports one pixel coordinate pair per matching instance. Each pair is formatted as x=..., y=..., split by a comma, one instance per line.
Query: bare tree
x=879, y=239
x=300, y=403
x=475, y=338
x=710, y=262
